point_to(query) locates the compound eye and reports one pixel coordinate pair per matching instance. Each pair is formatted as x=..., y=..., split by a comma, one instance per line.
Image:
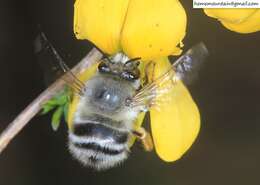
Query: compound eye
x=103, y=68
x=129, y=76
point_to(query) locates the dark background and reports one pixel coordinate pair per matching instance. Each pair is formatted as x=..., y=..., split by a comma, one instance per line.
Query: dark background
x=226, y=152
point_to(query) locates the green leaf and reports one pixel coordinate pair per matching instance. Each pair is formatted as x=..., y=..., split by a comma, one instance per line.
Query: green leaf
x=60, y=102
x=61, y=99
x=52, y=102
x=47, y=108
x=56, y=118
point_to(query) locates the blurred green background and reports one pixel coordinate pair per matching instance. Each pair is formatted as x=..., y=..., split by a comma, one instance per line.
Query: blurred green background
x=227, y=92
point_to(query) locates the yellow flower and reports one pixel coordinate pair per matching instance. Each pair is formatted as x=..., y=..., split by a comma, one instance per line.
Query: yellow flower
x=148, y=29
x=152, y=30
x=238, y=20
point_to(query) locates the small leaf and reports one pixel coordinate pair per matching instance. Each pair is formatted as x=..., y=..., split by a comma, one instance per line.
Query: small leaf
x=47, y=108
x=56, y=118
x=60, y=102
x=52, y=102
x=61, y=99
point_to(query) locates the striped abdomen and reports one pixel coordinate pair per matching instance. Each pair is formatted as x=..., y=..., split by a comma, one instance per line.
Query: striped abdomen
x=98, y=145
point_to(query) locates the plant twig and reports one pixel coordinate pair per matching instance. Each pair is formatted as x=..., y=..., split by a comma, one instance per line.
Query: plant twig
x=34, y=107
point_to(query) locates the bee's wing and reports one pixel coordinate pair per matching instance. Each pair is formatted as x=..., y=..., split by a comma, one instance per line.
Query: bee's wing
x=46, y=59
x=188, y=65
x=175, y=119
x=185, y=69
x=53, y=65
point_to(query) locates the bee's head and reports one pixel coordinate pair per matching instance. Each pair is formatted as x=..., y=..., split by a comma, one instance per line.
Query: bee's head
x=120, y=65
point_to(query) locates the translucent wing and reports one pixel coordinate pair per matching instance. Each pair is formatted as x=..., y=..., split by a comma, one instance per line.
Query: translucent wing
x=185, y=69
x=53, y=65
x=46, y=60
x=188, y=65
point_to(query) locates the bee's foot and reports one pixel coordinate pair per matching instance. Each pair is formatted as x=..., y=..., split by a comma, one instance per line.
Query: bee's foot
x=145, y=138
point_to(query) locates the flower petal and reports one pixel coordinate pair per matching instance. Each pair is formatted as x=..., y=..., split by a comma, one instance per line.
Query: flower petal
x=238, y=20
x=252, y=24
x=230, y=15
x=101, y=22
x=175, y=124
x=153, y=28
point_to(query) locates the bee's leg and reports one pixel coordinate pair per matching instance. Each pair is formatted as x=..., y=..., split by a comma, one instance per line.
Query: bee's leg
x=149, y=72
x=145, y=138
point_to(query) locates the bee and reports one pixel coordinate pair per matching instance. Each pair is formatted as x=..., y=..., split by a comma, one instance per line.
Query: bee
x=102, y=121
x=105, y=107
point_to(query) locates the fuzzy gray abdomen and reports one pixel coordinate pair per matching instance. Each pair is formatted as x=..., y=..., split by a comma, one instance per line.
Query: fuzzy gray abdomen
x=97, y=145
